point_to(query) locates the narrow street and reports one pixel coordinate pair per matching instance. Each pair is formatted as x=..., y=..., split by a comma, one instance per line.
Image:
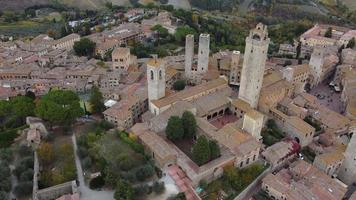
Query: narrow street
x=85, y=192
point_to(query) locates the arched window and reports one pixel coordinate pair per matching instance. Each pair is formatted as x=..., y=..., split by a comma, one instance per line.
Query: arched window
x=152, y=75
x=160, y=75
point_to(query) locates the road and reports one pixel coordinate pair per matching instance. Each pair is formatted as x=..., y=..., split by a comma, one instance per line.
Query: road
x=85, y=192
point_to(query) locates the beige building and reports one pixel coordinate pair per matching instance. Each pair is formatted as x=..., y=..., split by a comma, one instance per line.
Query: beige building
x=274, y=90
x=322, y=63
x=162, y=104
x=294, y=126
x=66, y=42
x=281, y=153
x=254, y=65
x=122, y=59
x=126, y=112
x=298, y=76
x=228, y=63
x=302, y=181
x=253, y=122
x=330, y=162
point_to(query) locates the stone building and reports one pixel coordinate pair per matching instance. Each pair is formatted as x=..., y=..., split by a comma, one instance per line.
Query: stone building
x=322, y=63
x=281, y=153
x=330, y=162
x=298, y=76
x=194, y=72
x=302, y=181
x=227, y=63
x=252, y=123
x=203, y=53
x=254, y=65
x=189, y=55
x=66, y=42
x=347, y=173
x=122, y=59
x=295, y=127
x=156, y=75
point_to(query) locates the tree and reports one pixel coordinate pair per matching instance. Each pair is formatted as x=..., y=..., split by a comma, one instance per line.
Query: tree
x=160, y=30
x=22, y=107
x=214, y=149
x=59, y=107
x=351, y=43
x=84, y=47
x=179, y=85
x=181, y=32
x=96, y=100
x=124, y=190
x=144, y=172
x=158, y=187
x=45, y=152
x=329, y=32
x=201, y=151
x=174, y=129
x=23, y=189
x=189, y=124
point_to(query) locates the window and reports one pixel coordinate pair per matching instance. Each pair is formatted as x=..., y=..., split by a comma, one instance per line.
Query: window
x=160, y=75
x=152, y=75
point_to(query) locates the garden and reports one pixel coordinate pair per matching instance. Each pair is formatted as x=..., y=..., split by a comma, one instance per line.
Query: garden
x=182, y=131
x=121, y=161
x=271, y=134
x=233, y=181
x=56, y=159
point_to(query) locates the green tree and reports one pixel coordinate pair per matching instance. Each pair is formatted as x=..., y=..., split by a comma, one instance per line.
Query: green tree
x=96, y=100
x=46, y=153
x=201, y=151
x=214, y=149
x=160, y=30
x=329, y=32
x=59, y=107
x=181, y=32
x=174, y=129
x=189, y=124
x=84, y=47
x=351, y=43
x=22, y=107
x=179, y=85
x=124, y=190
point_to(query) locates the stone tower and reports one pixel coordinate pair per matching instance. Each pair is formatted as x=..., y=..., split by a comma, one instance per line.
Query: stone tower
x=234, y=69
x=189, y=54
x=203, y=54
x=254, y=65
x=347, y=172
x=156, y=80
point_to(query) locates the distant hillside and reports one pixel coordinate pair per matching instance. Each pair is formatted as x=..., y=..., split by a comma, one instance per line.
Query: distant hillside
x=214, y=4
x=82, y=4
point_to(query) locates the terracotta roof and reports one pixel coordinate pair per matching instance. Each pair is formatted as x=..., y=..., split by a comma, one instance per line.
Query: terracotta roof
x=190, y=93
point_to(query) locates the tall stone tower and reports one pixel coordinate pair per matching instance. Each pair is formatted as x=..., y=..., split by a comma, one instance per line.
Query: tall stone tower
x=156, y=79
x=189, y=54
x=234, y=69
x=347, y=172
x=203, y=54
x=254, y=65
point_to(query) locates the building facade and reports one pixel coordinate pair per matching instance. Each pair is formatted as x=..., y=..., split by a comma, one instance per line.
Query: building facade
x=254, y=65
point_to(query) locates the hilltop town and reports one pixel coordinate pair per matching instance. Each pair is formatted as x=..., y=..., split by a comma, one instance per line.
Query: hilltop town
x=149, y=108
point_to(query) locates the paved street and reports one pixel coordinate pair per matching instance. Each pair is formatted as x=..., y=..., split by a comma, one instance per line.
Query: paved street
x=86, y=192
x=329, y=98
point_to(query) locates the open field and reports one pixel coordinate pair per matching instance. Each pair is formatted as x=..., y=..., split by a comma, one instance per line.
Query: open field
x=82, y=4
x=26, y=28
x=351, y=4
